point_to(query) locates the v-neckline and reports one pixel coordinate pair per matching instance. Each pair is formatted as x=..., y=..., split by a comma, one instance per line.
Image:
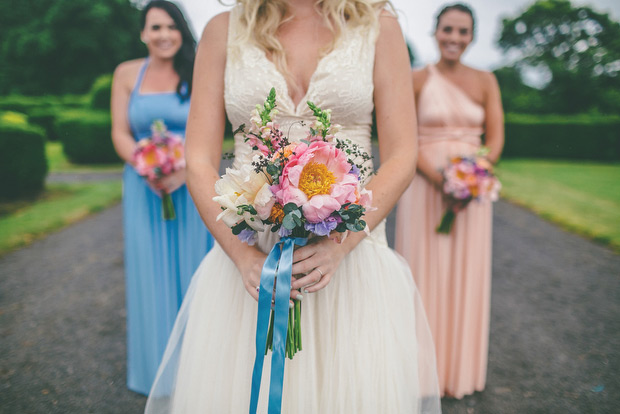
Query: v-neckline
x=455, y=86
x=296, y=106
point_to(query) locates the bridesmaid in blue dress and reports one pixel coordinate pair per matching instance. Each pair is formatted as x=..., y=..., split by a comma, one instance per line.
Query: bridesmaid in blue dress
x=160, y=256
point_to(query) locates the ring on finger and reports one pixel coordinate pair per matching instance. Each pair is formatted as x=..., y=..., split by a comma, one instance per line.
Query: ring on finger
x=320, y=272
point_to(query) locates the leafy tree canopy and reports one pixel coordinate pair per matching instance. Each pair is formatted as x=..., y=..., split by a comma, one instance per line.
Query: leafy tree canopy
x=577, y=45
x=61, y=46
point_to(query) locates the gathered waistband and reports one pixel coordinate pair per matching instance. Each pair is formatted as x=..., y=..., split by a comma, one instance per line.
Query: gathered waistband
x=470, y=135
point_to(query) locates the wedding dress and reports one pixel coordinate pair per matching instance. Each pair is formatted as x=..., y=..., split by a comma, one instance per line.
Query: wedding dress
x=366, y=343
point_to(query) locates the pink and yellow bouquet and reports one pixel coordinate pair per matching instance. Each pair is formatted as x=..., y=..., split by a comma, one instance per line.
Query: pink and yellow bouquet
x=297, y=189
x=467, y=178
x=160, y=155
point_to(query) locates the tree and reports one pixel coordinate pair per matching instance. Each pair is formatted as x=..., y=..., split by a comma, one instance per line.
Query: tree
x=517, y=97
x=577, y=45
x=61, y=46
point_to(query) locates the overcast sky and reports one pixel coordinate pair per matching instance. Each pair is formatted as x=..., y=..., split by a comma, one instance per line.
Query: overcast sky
x=417, y=20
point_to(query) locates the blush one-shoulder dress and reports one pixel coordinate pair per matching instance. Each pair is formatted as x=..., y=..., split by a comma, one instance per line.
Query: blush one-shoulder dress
x=452, y=272
x=160, y=256
x=366, y=344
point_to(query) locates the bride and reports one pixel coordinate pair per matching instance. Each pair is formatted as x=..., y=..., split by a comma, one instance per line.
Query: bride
x=367, y=348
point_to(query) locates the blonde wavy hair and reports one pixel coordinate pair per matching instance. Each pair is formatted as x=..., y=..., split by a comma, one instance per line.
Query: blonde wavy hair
x=261, y=19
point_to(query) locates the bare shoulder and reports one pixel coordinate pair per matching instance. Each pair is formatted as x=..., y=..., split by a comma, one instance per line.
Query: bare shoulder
x=484, y=78
x=217, y=26
x=419, y=77
x=126, y=72
x=389, y=28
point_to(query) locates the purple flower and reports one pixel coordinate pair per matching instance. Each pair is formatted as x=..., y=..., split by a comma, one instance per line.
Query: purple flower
x=355, y=171
x=284, y=232
x=248, y=236
x=322, y=228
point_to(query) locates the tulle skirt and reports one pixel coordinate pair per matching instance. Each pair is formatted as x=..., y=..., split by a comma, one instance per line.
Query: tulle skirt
x=366, y=343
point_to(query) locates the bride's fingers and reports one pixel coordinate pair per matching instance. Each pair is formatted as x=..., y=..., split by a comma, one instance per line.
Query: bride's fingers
x=253, y=291
x=306, y=265
x=296, y=294
x=320, y=284
x=303, y=253
x=311, y=278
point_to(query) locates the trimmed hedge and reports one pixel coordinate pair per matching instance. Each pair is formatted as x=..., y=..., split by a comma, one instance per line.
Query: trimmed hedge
x=85, y=136
x=100, y=92
x=28, y=104
x=579, y=137
x=23, y=165
x=45, y=118
x=13, y=118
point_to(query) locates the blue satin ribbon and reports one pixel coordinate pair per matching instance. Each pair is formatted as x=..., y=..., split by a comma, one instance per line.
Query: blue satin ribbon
x=280, y=263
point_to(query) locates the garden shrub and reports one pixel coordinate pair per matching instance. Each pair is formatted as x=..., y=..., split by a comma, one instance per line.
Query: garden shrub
x=45, y=118
x=85, y=136
x=100, y=92
x=23, y=165
x=14, y=118
x=25, y=104
x=579, y=137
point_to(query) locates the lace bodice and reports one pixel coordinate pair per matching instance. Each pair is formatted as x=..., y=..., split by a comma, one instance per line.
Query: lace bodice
x=342, y=82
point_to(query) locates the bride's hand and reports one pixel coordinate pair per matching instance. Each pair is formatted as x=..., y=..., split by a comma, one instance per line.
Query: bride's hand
x=250, y=268
x=319, y=261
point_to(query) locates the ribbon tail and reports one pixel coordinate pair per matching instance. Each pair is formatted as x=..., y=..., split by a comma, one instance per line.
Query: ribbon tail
x=267, y=279
x=283, y=289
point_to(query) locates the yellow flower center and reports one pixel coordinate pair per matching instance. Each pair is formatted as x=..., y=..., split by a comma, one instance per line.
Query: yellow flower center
x=316, y=179
x=150, y=158
x=277, y=214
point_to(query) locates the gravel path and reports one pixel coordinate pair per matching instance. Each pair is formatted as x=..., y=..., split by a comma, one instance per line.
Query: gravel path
x=554, y=330
x=78, y=177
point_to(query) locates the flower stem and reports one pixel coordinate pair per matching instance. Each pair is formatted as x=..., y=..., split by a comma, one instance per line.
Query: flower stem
x=446, y=222
x=167, y=207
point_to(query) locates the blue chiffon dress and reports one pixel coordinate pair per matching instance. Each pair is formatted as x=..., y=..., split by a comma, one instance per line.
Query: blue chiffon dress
x=160, y=256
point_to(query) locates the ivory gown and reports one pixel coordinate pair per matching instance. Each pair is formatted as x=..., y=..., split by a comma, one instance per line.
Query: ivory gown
x=452, y=272
x=366, y=344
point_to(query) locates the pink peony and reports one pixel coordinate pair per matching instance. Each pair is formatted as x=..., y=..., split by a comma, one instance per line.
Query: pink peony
x=317, y=179
x=148, y=158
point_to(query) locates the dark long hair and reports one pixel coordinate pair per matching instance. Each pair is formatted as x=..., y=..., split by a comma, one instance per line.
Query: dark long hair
x=184, y=59
x=458, y=7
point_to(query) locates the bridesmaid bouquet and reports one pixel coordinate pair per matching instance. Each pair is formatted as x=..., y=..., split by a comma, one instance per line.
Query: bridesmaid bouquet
x=296, y=189
x=160, y=155
x=467, y=178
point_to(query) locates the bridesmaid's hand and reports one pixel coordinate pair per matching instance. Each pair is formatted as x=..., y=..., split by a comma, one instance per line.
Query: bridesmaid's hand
x=455, y=204
x=154, y=185
x=170, y=183
x=436, y=179
x=318, y=261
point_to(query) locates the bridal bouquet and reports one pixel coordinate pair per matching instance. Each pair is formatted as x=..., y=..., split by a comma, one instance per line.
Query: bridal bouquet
x=158, y=156
x=467, y=178
x=298, y=190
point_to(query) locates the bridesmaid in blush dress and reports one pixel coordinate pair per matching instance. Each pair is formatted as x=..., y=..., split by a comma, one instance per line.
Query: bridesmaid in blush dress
x=455, y=105
x=160, y=256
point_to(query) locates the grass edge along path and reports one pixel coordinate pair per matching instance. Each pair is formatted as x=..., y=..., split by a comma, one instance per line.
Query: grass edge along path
x=57, y=161
x=581, y=197
x=61, y=204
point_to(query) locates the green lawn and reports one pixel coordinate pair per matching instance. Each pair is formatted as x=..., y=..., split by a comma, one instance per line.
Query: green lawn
x=59, y=205
x=583, y=197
